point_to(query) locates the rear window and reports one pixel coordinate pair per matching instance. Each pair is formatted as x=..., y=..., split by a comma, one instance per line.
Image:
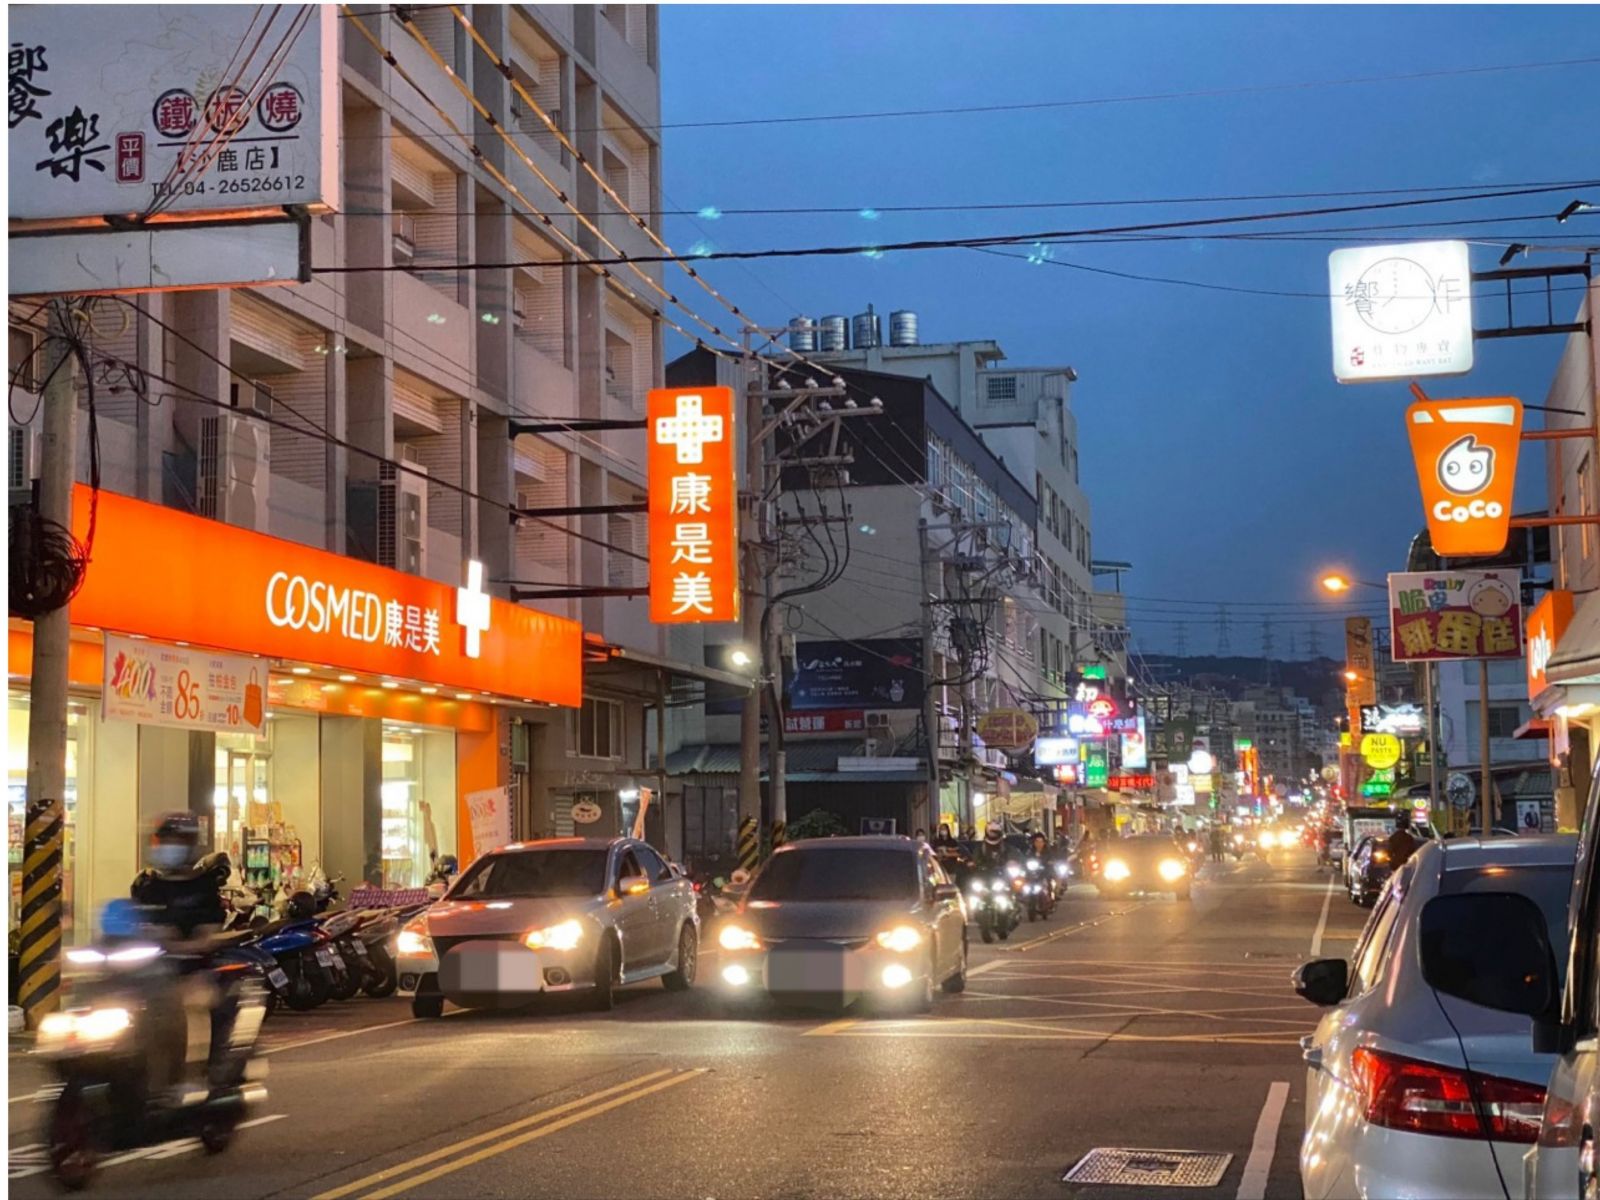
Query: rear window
x=1548, y=887
x=532, y=874
x=826, y=874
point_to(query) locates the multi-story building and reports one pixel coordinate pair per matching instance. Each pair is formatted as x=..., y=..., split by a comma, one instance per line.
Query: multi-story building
x=413, y=413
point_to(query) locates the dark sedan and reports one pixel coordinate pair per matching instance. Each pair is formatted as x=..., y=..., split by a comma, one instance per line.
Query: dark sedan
x=1151, y=862
x=1370, y=869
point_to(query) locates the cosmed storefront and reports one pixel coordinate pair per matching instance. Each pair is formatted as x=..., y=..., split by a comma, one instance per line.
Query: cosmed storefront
x=315, y=710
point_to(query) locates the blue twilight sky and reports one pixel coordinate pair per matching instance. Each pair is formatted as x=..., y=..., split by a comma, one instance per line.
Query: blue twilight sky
x=1219, y=456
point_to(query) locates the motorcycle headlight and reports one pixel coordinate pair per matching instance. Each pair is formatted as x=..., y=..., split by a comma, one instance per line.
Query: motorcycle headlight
x=1033, y=864
x=902, y=939
x=1061, y=870
x=413, y=942
x=1002, y=903
x=736, y=937
x=977, y=887
x=1238, y=839
x=1013, y=870
x=1117, y=869
x=564, y=936
x=1171, y=869
x=103, y=1024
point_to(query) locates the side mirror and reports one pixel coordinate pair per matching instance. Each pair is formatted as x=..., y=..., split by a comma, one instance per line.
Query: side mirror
x=634, y=885
x=1491, y=949
x=1323, y=981
x=946, y=891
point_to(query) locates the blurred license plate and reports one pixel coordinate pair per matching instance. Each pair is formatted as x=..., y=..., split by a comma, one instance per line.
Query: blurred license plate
x=277, y=978
x=490, y=967
x=806, y=971
x=325, y=956
x=361, y=951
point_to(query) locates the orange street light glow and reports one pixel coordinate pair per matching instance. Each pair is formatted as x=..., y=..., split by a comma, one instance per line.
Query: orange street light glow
x=1351, y=676
x=1336, y=583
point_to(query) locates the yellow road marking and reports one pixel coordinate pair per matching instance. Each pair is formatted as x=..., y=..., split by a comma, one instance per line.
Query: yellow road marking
x=831, y=1028
x=478, y=1139
x=531, y=1136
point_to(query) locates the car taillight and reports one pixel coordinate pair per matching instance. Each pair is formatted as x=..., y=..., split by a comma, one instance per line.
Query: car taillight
x=1423, y=1097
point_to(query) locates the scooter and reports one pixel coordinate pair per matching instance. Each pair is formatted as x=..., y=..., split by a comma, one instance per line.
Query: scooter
x=120, y=1052
x=1039, y=890
x=994, y=898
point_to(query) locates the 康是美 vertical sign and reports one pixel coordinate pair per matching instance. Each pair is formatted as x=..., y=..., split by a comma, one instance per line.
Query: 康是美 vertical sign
x=694, y=505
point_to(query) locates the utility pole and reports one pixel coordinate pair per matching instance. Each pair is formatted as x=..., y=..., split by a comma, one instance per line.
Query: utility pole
x=753, y=587
x=930, y=700
x=39, y=953
x=1486, y=790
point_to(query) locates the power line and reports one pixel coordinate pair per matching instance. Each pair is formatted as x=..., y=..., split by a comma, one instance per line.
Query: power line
x=1149, y=97
x=1008, y=239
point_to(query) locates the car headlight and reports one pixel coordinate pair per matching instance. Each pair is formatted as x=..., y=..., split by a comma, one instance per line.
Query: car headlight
x=1117, y=869
x=564, y=936
x=1265, y=840
x=1171, y=869
x=977, y=887
x=1032, y=864
x=413, y=942
x=902, y=939
x=736, y=937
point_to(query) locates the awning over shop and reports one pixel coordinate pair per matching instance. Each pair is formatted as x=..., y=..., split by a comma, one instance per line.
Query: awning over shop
x=806, y=762
x=1577, y=655
x=624, y=671
x=1536, y=727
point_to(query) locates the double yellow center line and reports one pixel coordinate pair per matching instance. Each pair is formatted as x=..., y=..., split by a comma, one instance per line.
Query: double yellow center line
x=425, y=1168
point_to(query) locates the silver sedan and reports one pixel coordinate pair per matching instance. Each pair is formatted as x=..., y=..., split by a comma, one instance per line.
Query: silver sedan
x=558, y=915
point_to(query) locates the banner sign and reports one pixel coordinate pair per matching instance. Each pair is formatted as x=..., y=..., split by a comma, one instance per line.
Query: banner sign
x=1008, y=729
x=1363, y=689
x=1401, y=720
x=694, y=505
x=870, y=673
x=1135, y=750
x=1546, y=623
x=1466, y=456
x=852, y=720
x=1131, y=782
x=1055, y=751
x=1401, y=311
x=185, y=687
x=1446, y=615
x=489, y=813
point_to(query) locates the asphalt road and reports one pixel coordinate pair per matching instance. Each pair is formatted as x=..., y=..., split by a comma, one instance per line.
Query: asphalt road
x=1145, y=1023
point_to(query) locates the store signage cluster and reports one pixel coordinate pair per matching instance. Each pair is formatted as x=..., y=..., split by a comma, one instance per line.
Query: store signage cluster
x=151, y=683
x=1400, y=312
x=1444, y=615
x=693, y=503
x=1466, y=457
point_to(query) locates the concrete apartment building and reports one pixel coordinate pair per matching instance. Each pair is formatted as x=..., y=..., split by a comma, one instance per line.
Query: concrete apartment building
x=430, y=369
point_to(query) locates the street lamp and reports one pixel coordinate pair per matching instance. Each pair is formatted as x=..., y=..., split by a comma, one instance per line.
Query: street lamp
x=1336, y=583
x=740, y=658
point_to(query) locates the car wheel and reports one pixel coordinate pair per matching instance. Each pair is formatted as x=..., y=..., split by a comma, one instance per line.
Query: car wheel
x=1005, y=932
x=682, y=979
x=427, y=1008
x=958, y=981
x=216, y=1134
x=604, y=996
x=308, y=983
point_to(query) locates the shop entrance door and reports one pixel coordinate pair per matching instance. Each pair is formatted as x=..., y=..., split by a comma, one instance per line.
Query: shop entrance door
x=244, y=781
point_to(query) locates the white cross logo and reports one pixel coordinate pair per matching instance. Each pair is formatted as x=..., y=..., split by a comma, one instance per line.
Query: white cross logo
x=689, y=429
x=472, y=608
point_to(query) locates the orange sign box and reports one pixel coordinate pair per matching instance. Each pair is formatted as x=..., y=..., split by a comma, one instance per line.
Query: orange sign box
x=1466, y=456
x=694, y=505
x=1546, y=623
x=167, y=575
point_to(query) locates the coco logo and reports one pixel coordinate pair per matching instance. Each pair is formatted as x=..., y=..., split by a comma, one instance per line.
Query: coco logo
x=1465, y=468
x=1471, y=511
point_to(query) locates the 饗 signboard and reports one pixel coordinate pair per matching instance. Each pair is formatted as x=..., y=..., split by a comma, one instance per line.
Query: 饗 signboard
x=1466, y=456
x=870, y=673
x=1441, y=615
x=151, y=683
x=1546, y=623
x=694, y=504
x=1401, y=311
x=114, y=108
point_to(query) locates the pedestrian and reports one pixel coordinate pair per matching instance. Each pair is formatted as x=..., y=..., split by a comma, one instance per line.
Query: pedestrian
x=1215, y=842
x=922, y=836
x=1403, y=842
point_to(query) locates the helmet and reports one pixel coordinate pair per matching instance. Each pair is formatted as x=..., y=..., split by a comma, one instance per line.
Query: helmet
x=991, y=836
x=449, y=865
x=175, y=841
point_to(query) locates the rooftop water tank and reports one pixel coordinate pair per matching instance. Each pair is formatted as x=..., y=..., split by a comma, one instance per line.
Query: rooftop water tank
x=833, y=334
x=903, y=328
x=802, y=334
x=865, y=330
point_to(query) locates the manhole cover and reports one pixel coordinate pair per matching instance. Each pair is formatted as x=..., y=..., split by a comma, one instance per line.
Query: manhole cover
x=1150, y=1168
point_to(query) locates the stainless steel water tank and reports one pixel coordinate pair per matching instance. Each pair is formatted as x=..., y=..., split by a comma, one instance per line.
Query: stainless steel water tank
x=865, y=331
x=833, y=333
x=903, y=328
x=802, y=334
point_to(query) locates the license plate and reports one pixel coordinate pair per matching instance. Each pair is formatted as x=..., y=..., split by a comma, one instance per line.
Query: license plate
x=361, y=951
x=325, y=957
x=806, y=971
x=490, y=968
x=277, y=978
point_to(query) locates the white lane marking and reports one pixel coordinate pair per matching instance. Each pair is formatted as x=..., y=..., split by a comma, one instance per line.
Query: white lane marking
x=1322, y=921
x=46, y=1093
x=33, y=1159
x=331, y=1037
x=1253, y=1183
x=983, y=968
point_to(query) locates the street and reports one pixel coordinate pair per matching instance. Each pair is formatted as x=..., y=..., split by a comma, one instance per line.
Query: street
x=1145, y=1023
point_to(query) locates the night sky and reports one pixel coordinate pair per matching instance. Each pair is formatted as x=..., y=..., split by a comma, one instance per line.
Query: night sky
x=1219, y=456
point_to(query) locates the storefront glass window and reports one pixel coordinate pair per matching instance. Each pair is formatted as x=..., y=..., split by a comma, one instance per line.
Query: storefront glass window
x=419, y=801
x=75, y=890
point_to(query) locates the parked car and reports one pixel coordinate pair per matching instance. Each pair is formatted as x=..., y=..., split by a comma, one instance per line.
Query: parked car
x=1370, y=869
x=1421, y=1079
x=558, y=915
x=845, y=918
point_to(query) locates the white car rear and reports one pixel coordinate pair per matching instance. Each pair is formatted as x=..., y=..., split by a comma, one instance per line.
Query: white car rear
x=1391, y=1107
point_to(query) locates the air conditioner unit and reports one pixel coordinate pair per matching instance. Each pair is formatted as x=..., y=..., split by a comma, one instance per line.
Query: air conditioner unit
x=402, y=517
x=232, y=465
x=251, y=395
x=877, y=720
x=22, y=461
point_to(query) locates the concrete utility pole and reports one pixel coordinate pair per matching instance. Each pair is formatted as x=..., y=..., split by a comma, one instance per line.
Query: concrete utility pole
x=1486, y=798
x=39, y=954
x=930, y=700
x=753, y=586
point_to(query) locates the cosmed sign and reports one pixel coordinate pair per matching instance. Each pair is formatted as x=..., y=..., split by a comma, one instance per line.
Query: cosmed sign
x=114, y=108
x=1401, y=311
x=694, y=550
x=1442, y=615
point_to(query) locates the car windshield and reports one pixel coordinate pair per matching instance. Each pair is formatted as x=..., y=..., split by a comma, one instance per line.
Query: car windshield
x=827, y=874
x=1548, y=887
x=532, y=874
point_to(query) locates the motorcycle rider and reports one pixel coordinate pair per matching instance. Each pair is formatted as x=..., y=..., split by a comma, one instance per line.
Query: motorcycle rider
x=993, y=853
x=181, y=891
x=1403, y=842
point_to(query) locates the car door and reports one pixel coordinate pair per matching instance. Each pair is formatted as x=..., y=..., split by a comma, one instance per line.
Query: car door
x=666, y=909
x=635, y=920
x=945, y=918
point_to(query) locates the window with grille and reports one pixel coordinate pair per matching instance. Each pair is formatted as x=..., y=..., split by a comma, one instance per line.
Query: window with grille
x=595, y=729
x=1000, y=387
